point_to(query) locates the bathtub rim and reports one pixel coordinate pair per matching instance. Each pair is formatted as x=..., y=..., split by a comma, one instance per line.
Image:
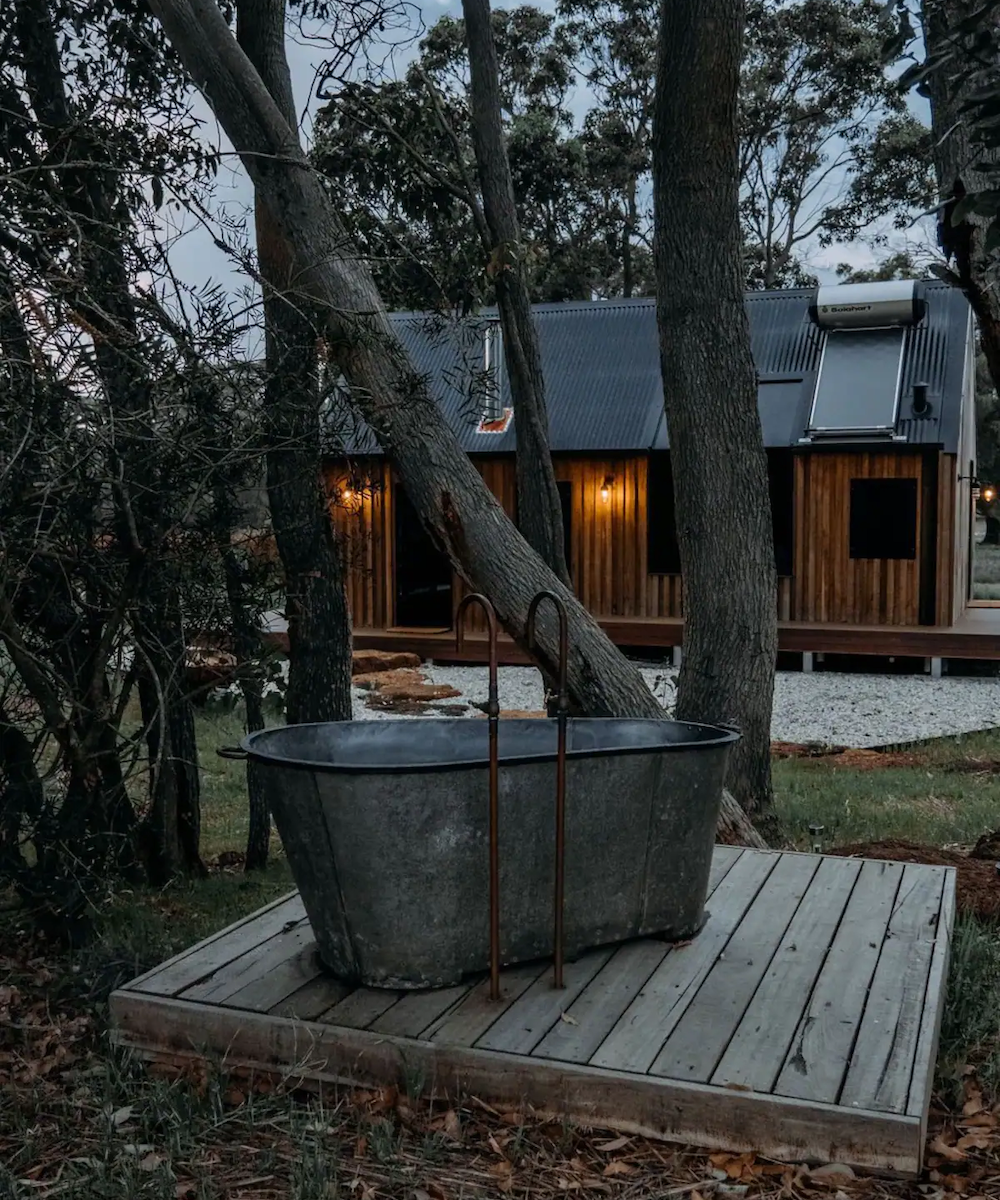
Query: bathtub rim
x=725, y=736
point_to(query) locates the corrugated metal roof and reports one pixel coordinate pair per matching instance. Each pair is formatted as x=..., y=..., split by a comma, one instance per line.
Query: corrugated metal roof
x=602, y=371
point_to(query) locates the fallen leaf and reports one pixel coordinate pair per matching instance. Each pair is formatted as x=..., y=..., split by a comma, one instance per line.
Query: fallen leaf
x=420, y=1194
x=974, y=1141
x=503, y=1174
x=151, y=1161
x=235, y=1097
x=452, y=1125
x=951, y=1153
x=738, y=1087
x=618, y=1167
x=611, y=1147
x=974, y=1104
x=121, y=1115
x=981, y=1120
x=495, y=1146
x=568, y=1019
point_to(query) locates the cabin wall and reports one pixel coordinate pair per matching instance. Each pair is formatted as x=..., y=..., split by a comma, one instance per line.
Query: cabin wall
x=830, y=586
x=362, y=523
x=608, y=548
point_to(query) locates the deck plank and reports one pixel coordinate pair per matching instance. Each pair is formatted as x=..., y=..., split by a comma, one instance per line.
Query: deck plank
x=639, y=1033
x=359, y=1008
x=249, y=976
x=757, y=1052
x=821, y=1045
x=414, y=1011
x=593, y=1014
x=474, y=1015
x=882, y=1062
x=523, y=1025
x=698, y=1041
x=212, y=955
x=312, y=999
x=925, y=1056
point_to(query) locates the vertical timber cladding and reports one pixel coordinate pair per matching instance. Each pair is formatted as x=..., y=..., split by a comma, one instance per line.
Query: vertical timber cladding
x=830, y=585
x=360, y=498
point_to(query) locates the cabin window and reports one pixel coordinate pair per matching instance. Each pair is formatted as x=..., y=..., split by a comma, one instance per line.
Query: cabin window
x=883, y=518
x=565, y=489
x=662, y=551
x=781, y=483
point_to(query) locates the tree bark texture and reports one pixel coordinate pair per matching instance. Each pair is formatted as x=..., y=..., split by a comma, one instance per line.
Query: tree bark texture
x=963, y=167
x=539, y=510
x=319, y=622
x=709, y=384
x=454, y=503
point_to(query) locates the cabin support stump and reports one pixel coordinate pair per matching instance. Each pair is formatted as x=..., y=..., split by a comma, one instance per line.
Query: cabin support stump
x=807, y=662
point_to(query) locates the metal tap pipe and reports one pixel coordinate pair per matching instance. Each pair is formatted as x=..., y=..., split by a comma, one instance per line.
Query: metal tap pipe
x=493, y=715
x=562, y=713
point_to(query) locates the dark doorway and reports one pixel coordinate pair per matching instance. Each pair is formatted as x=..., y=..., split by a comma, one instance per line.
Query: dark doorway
x=423, y=573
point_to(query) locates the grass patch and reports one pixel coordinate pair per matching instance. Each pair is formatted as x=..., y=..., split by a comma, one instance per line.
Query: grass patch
x=970, y=1027
x=951, y=796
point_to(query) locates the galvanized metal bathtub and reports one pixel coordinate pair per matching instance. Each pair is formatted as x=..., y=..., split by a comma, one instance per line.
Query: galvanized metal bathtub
x=385, y=824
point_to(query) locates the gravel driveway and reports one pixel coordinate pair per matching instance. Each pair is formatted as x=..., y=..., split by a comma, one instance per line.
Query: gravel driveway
x=835, y=709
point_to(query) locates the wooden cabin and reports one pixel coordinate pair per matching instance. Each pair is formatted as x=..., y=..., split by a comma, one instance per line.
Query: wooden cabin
x=866, y=398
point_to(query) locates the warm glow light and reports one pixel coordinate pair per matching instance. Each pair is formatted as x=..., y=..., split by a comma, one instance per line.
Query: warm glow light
x=347, y=494
x=606, y=488
x=989, y=494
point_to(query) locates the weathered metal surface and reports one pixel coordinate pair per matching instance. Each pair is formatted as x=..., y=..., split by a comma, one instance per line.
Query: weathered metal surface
x=386, y=828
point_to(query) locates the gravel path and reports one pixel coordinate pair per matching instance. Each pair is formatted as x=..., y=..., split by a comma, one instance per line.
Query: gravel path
x=834, y=709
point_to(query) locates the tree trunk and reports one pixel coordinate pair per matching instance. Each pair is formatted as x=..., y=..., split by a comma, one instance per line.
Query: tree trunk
x=319, y=622
x=962, y=167
x=454, y=503
x=716, y=446
x=247, y=648
x=538, y=506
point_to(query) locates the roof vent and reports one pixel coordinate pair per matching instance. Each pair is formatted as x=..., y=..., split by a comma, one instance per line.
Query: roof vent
x=493, y=409
x=893, y=302
x=921, y=406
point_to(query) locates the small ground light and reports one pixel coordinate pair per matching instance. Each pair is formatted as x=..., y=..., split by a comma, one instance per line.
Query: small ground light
x=815, y=830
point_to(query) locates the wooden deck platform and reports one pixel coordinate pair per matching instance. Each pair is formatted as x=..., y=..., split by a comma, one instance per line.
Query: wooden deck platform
x=802, y=1022
x=975, y=637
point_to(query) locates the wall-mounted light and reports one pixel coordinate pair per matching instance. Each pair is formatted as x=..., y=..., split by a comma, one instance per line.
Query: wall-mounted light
x=347, y=494
x=606, y=488
x=989, y=494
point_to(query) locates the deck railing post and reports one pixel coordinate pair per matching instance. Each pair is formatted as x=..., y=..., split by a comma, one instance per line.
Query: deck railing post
x=493, y=715
x=562, y=713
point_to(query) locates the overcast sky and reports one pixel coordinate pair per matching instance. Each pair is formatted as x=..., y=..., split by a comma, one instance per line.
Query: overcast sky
x=196, y=258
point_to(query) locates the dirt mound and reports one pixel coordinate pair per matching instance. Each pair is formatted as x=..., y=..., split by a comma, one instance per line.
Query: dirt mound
x=846, y=756
x=977, y=884
x=367, y=662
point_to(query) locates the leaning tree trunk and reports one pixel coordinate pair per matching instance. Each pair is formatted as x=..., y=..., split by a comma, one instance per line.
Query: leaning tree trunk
x=319, y=623
x=963, y=167
x=716, y=445
x=539, y=511
x=454, y=503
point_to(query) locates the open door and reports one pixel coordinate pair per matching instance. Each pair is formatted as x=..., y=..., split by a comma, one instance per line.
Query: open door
x=423, y=572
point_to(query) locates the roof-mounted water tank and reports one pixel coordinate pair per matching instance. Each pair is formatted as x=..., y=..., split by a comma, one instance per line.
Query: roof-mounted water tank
x=891, y=302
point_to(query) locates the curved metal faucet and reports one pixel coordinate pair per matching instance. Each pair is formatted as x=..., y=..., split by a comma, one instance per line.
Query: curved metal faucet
x=562, y=713
x=493, y=714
